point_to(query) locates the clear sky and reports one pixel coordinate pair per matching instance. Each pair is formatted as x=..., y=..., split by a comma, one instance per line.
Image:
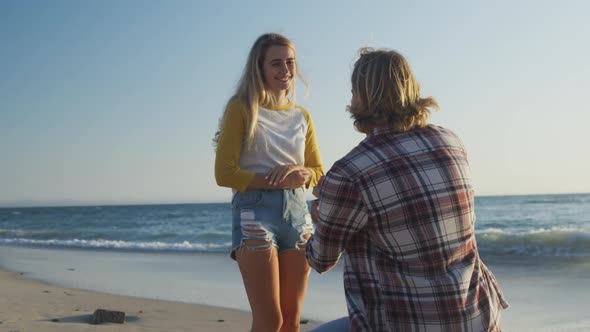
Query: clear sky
x=117, y=101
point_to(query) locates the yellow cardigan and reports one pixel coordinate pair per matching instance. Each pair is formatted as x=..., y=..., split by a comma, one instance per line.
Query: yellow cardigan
x=229, y=147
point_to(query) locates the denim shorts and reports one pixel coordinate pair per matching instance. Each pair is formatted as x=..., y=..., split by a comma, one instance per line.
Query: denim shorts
x=280, y=217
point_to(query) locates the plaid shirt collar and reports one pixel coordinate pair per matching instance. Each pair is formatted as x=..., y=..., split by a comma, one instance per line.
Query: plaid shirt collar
x=382, y=130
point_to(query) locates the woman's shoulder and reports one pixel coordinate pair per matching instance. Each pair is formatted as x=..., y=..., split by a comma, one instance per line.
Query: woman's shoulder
x=235, y=105
x=303, y=111
x=301, y=108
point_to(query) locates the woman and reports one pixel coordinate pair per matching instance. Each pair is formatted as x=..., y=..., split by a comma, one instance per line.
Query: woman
x=401, y=205
x=267, y=153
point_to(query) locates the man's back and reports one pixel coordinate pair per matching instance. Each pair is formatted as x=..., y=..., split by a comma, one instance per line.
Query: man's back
x=402, y=205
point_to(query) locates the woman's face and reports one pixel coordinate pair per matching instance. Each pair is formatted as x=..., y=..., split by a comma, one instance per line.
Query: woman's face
x=279, y=69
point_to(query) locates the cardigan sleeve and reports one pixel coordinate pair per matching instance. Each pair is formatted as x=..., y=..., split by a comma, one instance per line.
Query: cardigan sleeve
x=229, y=148
x=312, y=152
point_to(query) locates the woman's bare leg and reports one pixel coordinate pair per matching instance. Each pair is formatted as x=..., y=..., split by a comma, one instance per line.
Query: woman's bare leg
x=294, y=273
x=260, y=273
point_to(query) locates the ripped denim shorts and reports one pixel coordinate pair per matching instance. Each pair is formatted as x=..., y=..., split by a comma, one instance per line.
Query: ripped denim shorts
x=280, y=217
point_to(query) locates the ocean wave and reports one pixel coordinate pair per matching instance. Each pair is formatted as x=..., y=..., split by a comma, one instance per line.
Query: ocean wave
x=581, y=199
x=28, y=232
x=541, y=242
x=122, y=245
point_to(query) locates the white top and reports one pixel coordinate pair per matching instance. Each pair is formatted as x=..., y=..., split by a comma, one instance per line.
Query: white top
x=279, y=140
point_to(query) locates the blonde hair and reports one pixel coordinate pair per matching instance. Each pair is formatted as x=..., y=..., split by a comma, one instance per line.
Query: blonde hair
x=251, y=90
x=386, y=93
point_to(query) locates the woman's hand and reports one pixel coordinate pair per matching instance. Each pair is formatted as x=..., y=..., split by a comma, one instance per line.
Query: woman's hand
x=288, y=176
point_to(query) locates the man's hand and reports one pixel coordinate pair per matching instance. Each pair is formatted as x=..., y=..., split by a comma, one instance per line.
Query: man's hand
x=316, y=189
x=315, y=210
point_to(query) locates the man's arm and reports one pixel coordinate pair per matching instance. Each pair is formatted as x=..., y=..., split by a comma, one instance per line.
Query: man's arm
x=340, y=215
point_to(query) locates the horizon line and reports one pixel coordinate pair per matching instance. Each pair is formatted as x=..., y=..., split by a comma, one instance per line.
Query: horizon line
x=72, y=203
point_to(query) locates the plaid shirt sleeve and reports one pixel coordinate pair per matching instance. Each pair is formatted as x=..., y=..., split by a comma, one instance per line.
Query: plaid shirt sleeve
x=341, y=215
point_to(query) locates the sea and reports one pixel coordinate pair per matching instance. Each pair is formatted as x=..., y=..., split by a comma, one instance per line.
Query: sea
x=537, y=246
x=519, y=227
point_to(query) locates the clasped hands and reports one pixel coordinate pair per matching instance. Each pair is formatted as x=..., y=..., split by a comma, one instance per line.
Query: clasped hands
x=295, y=176
x=288, y=176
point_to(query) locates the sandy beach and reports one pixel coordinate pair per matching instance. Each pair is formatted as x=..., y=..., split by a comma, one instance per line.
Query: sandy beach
x=47, y=289
x=29, y=305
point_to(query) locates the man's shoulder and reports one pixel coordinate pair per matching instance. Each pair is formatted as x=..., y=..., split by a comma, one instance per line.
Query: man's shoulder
x=355, y=161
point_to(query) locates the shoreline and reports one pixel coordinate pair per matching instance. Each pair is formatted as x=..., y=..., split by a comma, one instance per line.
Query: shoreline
x=211, y=279
x=182, y=291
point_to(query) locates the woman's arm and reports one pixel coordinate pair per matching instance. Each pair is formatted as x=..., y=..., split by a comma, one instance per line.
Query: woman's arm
x=313, y=162
x=229, y=147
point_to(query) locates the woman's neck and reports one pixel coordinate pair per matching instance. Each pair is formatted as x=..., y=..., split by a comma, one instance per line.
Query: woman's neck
x=280, y=98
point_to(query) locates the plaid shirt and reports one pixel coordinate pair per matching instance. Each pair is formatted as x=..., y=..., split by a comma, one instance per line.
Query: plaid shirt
x=402, y=208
